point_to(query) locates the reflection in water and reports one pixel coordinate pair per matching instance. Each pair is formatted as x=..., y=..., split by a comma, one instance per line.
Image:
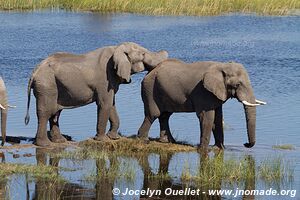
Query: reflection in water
x=250, y=181
x=161, y=180
x=3, y=182
x=109, y=172
x=47, y=189
x=104, y=184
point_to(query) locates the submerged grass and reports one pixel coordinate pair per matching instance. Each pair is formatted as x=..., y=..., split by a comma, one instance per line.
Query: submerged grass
x=116, y=168
x=36, y=171
x=275, y=170
x=213, y=172
x=284, y=147
x=160, y=7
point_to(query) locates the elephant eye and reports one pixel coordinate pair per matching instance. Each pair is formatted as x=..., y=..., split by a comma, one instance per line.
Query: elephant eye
x=237, y=85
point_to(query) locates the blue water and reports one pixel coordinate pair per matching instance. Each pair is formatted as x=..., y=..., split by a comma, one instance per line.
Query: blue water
x=269, y=48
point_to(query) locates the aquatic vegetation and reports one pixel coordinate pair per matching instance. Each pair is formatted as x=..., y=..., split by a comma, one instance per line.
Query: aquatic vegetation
x=160, y=7
x=275, y=170
x=213, y=172
x=112, y=169
x=284, y=147
x=81, y=154
x=35, y=171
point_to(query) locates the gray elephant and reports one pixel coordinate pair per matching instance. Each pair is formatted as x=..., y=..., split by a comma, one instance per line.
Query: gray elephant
x=3, y=108
x=65, y=81
x=201, y=87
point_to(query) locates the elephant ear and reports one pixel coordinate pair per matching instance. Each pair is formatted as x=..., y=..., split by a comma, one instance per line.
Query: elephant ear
x=122, y=64
x=213, y=81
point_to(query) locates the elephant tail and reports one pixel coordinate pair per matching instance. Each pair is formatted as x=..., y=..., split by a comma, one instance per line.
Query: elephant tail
x=27, y=117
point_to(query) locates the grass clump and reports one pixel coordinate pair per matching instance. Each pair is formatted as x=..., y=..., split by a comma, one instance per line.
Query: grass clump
x=275, y=170
x=160, y=7
x=36, y=171
x=214, y=172
x=284, y=147
x=111, y=169
x=129, y=146
x=81, y=154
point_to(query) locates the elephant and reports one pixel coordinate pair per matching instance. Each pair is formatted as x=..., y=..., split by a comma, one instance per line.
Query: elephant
x=66, y=81
x=3, y=108
x=201, y=87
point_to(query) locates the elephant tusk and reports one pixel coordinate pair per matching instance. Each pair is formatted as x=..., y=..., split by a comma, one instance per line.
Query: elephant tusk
x=246, y=103
x=2, y=106
x=260, y=102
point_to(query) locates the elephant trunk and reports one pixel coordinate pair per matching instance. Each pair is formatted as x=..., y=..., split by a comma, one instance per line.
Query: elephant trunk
x=3, y=125
x=250, y=113
x=246, y=96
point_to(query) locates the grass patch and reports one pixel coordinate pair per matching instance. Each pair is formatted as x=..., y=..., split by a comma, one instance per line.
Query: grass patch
x=112, y=169
x=214, y=172
x=284, y=147
x=160, y=7
x=129, y=146
x=39, y=172
x=275, y=170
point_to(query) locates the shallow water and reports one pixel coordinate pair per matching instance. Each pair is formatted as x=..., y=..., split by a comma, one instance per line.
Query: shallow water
x=269, y=47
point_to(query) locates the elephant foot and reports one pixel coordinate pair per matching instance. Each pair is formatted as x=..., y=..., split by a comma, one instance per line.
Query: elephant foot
x=144, y=139
x=113, y=135
x=219, y=146
x=60, y=139
x=203, y=149
x=102, y=138
x=167, y=139
x=57, y=137
x=164, y=139
x=43, y=142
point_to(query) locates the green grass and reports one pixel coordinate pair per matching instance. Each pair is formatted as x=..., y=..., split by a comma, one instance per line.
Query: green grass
x=275, y=170
x=160, y=7
x=284, y=147
x=112, y=169
x=213, y=172
x=38, y=172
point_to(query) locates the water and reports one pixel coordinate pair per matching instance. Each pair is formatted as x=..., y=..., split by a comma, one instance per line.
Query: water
x=269, y=47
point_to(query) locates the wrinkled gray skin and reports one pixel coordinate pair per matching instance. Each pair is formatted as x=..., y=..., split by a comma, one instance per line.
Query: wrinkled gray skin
x=3, y=108
x=201, y=87
x=65, y=81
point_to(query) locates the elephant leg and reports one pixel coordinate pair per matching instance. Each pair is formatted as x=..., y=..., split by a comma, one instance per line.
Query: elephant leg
x=3, y=125
x=55, y=134
x=145, y=127
x=165, y=133
x=218, y=128
x=102, y=119
x=206, y=119
x=114, y=124
x=46, y=93
x=41, y=135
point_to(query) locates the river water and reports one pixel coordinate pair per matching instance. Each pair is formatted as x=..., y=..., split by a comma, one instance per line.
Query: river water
x=269, y=48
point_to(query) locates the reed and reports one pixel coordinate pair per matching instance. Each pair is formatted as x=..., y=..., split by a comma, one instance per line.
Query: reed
x=213, y=172
x=35, y=171
x=160, y=7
